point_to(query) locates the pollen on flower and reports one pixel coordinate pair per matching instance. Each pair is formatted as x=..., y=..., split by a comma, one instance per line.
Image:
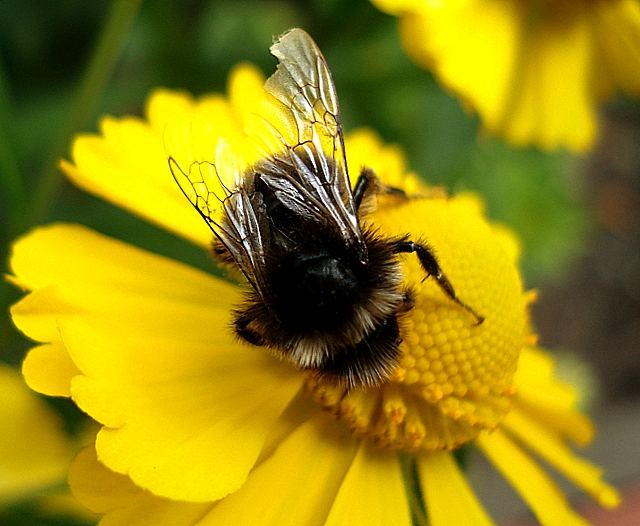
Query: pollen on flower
x=455, y=377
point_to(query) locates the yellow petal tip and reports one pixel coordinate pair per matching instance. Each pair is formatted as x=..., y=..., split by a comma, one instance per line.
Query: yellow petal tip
x=609, y=498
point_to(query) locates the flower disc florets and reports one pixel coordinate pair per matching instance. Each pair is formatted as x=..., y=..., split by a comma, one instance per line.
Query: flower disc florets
x=455, y=377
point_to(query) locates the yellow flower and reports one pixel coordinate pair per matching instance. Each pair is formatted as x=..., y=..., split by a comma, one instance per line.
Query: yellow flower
x=533, y=70
x=34, y=451
x=200, y=428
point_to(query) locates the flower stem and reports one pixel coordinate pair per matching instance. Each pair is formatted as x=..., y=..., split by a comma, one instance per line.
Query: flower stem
x=413, y=491
x=14, y=195
x=105, y=56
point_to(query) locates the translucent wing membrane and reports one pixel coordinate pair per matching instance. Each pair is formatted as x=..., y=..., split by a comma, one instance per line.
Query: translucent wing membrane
x=203, y=188
x=229, y=212
x=302, y=84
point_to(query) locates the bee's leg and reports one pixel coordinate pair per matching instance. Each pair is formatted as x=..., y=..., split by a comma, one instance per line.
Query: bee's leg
x=368, y=184
x=408, y=301
x=432, y=268
x=241, y=326
x=220, y=252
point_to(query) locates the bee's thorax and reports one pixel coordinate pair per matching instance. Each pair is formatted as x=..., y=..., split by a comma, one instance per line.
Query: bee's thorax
x=316, y=292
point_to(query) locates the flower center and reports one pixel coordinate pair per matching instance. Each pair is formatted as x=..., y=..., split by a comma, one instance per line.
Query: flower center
x=454, y=378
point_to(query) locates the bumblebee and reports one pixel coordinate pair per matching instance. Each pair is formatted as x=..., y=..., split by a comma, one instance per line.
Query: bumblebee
x=326, y=291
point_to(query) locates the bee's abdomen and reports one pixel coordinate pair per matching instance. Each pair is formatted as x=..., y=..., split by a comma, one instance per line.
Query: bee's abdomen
x=316, y=293
x=368, y=362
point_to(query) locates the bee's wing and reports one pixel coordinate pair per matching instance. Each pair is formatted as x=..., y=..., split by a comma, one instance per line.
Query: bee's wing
x=311, y=177
x=243, y=232
x=302, y=83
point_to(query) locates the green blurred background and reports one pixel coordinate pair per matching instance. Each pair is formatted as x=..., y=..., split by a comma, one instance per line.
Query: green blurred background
x=65, y=63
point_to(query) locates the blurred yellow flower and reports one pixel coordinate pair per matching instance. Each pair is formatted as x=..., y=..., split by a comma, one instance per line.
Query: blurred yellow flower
x=199, y=428
x=534, y=70
x=34, y=450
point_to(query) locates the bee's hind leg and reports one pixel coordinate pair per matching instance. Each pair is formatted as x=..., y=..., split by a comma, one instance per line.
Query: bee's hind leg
x=430, y=265
x=244, y=331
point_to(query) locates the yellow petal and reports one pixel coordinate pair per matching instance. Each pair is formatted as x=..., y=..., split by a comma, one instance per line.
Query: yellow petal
x=528, y=69
x=452, y=39
x=128, y=166
x=165, y=105
x=35, y=314
x=127, y=163
x=617, y=26
x=541, y=494
x=372, y=493
x=91, y=275
x=551, y=101
x=185, y=419
x=34, y=451
x=538, y=383
x=397, y=7
x=161, y=365
x=81, y=262
x=584, y=474
x=246, y=92
x=147, y=314
x=541, y=393
x=365, y=149
x=125, y=504
x=448, y=497
x=95, y=275
x=48, y=369
x=297, y=412
x=297, y=485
